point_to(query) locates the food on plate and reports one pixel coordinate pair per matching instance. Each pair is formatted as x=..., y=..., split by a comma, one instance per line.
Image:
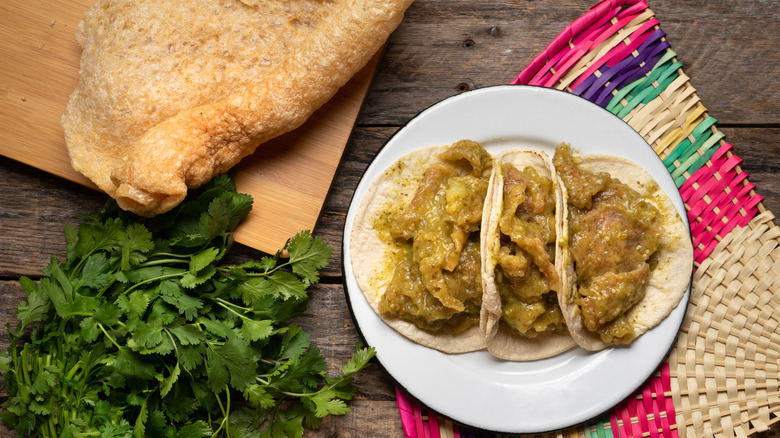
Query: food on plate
x=174, y=92
x=415, y=245
x=519, y=253
x=521, y=317
x=629, y=258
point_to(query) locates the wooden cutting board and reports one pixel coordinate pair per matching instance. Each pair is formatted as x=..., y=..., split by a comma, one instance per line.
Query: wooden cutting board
x=288, y=177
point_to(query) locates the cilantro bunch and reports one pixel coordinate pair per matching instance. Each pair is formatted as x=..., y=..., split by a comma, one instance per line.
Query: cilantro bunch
x=142, y=332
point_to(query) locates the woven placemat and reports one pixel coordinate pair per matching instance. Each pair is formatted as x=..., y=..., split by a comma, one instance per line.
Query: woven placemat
x=721, y=377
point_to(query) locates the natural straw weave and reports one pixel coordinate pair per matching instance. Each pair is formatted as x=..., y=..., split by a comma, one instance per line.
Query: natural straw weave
x=724, y=369
x=721, y=377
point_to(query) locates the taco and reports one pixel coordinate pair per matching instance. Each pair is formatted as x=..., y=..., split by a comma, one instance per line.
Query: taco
x=629, y=258
x=416, y=245
x=521, y=317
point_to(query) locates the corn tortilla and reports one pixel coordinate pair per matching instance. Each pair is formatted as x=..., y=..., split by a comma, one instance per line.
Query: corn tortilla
x=668, y=280
x=373, y=254
x=500, y=340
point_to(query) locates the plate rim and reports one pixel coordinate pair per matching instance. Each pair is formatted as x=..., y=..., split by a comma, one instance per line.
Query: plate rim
x=628, y=392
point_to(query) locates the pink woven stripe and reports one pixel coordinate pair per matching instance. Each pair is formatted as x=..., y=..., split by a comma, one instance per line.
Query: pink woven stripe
x=563, y=56
x=650, y=412
x=561, y=42
x=406, y=411
x=619, y=52
x=718, y=198
x=418, y=421
x=585, y=44
x=671, y=414
x=637, y=39
x=433, y=425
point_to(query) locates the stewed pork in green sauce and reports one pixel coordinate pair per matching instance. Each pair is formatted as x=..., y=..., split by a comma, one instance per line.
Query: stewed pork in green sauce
x=613, y=234
x=436, y=282
x=525, y=272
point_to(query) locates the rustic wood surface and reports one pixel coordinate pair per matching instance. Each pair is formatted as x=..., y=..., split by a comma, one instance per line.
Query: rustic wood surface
x=728, y=48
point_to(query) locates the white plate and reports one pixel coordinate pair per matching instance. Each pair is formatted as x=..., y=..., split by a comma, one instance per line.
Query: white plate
x=477, y=389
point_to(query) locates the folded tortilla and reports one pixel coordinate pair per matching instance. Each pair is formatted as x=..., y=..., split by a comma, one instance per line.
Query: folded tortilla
x=376, y=254
x=501, y=340
x=670, y=270
x=174, y=92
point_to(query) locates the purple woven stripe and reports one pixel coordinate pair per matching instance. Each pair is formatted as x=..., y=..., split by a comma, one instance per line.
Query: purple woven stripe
x=594, y=82
x=626, y=71
x=629, y=76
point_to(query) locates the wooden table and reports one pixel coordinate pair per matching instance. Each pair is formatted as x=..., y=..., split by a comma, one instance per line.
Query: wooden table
x=729, y=49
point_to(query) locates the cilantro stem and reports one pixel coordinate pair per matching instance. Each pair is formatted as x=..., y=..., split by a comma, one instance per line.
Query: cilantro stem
x=73, y=370
x=265, y=273
x=108, y=336
x=229, y=307
x=52, y=429
x=162, y=262
x=25, y=372
x=150, y=280
x=303, y=394
x=225, y=412
x=172, y=255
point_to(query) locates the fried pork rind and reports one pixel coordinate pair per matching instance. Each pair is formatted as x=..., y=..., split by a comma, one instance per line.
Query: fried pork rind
x=174, y=92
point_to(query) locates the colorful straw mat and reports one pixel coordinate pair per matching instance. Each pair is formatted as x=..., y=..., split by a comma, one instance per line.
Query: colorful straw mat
x=721, y=377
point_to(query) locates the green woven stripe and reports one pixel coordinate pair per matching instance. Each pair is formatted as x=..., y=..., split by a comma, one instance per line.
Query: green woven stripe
x=687, y=147
x=603, y=429
x=696, y=161
x=689, y=156
x=651, y=91
x=643, y=90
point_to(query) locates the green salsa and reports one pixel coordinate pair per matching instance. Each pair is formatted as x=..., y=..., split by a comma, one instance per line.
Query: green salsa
x=614, y=233
x=525, y=272
x=436, y=282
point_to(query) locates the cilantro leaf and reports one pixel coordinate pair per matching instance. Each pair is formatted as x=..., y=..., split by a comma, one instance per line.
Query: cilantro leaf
x=253, y=330
x=128, y=363
x=95, y=274
x=359, y=360
x=327, y=403
x=191, y=357
x=308, y=255
x=190, y=280
x=142, y=333
x=231, y=362
x=135, y=242
x=255, y=288
x=202, y=259
x=89, y=329
x=36, y=306
x=167, y=384
x=187, y=305
x=256, y=395
x=287, y=285
x=188, y=334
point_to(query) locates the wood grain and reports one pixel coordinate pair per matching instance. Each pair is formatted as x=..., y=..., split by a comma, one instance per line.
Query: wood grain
x=728, y=48
x=289, y=176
